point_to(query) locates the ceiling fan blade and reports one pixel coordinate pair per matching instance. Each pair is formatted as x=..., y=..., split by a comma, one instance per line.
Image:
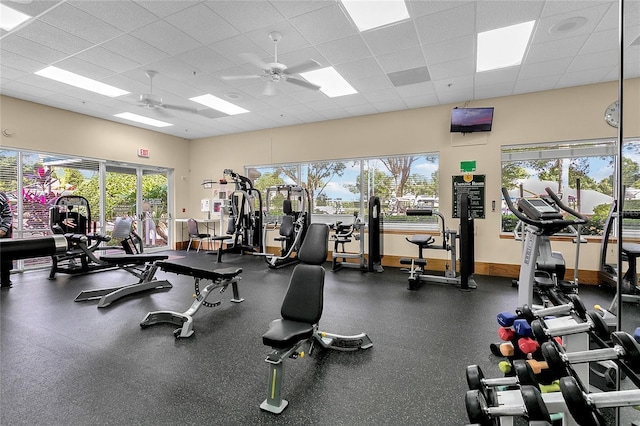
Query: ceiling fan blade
x=303, y=83
x=238, y=77
x=303, y=67
x=180, y=108
x=269, y=89
x=211, y=113
x=252, y=58
x=160, y=112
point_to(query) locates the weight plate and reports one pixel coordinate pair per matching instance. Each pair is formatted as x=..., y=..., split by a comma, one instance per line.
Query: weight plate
x=524, y=373
x=577, y=402
x=538, y=331
x=554, y=360
x=600, y=328
x=474, y=377
x=477, y=409
x=631, y=349
x=533, y=402
x=578, y=306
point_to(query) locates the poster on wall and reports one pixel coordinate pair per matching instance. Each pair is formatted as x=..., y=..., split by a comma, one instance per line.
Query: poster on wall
x=474, y=186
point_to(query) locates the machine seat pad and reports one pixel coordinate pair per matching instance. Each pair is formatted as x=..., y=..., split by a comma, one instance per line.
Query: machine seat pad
x=286, y=333
x=195, y=272
x=133, y=259
x=422, y=240
x=631, y=249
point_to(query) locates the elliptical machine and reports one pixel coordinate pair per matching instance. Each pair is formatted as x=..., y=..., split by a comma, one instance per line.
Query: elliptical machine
x=543, y=270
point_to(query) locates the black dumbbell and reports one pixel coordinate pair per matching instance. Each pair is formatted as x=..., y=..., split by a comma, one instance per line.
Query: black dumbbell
x=585, y=407
x=624, y=348
x=575, y=305
x=480, y=412
x=594, y=324
x=476, y=380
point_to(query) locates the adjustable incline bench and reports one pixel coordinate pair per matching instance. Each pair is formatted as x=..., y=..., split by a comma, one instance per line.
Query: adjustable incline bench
x=220, y=278
x=301, y=311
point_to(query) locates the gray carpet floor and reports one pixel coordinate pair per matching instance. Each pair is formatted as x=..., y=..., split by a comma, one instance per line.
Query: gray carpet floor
x=70, y=363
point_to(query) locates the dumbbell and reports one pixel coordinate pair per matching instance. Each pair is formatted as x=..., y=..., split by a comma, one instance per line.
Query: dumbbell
x=523, y=376
x=480, y=412
x=624, y=348
x=507, y=319
x=585, y=407
x=594, y=324
x=636, y=334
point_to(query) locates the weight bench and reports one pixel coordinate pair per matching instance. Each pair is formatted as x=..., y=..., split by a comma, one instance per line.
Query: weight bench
x=143, y=266
x=301, y=311
x=220, y=278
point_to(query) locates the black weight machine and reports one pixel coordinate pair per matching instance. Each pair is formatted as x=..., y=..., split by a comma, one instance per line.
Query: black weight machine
x=245, y=218
x=450, y=238
x=543, y=270
x=346, y=232
x=292, y=224
x=629, y=288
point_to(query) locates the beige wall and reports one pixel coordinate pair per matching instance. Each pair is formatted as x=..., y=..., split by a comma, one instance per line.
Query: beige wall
x=41, y=128
x=558, y=115
x=565, y=114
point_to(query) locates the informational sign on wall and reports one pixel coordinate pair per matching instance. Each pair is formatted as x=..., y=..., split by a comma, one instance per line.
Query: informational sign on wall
x=474, y=186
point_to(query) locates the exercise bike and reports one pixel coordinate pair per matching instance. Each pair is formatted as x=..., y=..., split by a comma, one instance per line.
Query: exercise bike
x=542, y=270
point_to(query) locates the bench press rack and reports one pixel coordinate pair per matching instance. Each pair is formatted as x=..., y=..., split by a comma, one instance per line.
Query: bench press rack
x=220, y=278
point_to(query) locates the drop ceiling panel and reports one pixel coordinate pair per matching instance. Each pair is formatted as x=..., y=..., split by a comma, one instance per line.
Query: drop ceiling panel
x=193, y=44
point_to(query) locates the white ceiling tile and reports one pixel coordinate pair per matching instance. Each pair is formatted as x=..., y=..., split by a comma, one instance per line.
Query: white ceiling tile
x=165, y=8
x=593, y=15
x=392, y=105
x=497, y=14
x=362, y=68
x=123, y=14
x=204, y=59
x=290, y=38
x=569, y=79
x=81, y=24
x=290, y=8
x=449, y=50
x=232, y=47
x=365, y=109
x=455, y=96
x=449, y=70
x=378, y=82
x=494, y=90
x=391, y=38
x=535, y=84
x=505, y=75
x=464, y=82
x=202, y=24
x=52, y=37
x=557, y=49
x=134, y=49
x=107, y=59
x=543, y=69
x=451, y=23
x=382, y=96
x=601, y=41
x=27, y=56
x=420, y=101
x=402, y=60
x=166, y=37
x=323, y=25
x=425, y=89
x=84, y=68
x=247, y=15
x=420, y=7
x=345, y=49
x=594, y=60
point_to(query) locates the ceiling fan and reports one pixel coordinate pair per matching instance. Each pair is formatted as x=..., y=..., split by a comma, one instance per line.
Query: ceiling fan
x=274, y=72
x=154, y=102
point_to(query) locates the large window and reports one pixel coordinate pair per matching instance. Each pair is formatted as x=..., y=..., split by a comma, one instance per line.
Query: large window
x=528, y=169
x=344, y=186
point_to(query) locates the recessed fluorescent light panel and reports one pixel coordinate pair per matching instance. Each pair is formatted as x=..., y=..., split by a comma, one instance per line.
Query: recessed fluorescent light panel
x=219, y=104
x=368, y=14
x=11, y=18
x=142, y=119
x=81, y=82
x=503, y=47
x=330, y=81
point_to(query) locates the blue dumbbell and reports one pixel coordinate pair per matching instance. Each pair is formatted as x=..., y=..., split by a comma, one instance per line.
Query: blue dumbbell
x=506, y=319
x=522, y=327
x=636, y=335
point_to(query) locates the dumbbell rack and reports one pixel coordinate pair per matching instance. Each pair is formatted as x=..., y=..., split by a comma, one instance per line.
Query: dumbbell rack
x=554, y=402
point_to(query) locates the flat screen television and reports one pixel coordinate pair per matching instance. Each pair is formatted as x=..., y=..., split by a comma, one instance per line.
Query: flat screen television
x=468, y=120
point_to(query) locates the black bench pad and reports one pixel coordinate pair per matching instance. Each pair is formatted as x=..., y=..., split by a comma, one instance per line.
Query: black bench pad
x=195, y=272
x=422, y=240
x=132, y=259
x=286, y=333
x=631, y=249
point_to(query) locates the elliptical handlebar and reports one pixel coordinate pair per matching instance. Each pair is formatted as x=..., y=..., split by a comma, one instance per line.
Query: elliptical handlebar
x=582, y=219
x=542, y=223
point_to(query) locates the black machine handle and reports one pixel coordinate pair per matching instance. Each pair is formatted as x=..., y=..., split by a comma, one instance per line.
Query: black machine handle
x=542, y=222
